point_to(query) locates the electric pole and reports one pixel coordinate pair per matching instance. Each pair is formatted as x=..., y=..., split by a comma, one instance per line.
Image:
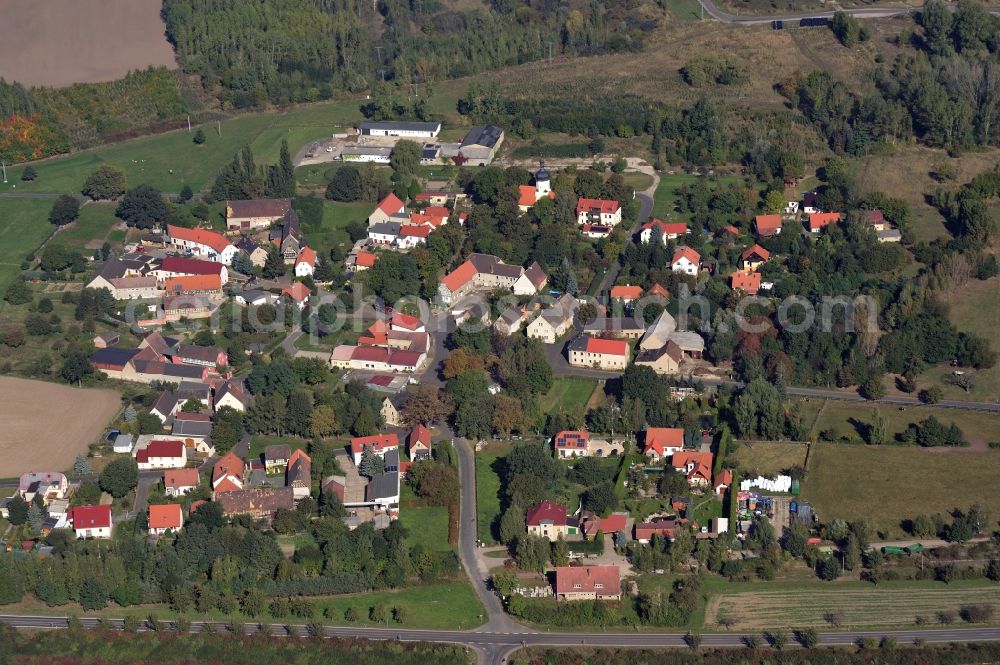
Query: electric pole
x=218, y=127
x=4, y=166
x=189, y=123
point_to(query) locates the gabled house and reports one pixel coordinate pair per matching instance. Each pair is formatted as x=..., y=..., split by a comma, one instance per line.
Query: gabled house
x=255, y=213
x=179, y=266
x=588, y=583
x=49, y=485
x=298, y=474
x=696, y=466
x=233, y=394
x=664, y=360
x=753, y=257
x=386, y=208
x=401, y=322
x=485, y=272
x=554, y=321
x=627, y=293
x=820, y=220
x=165, y=517
x=384, y=233
x=723, y=481
x=91, y=521
x=228, y=474
x=390, y=410
x=686, y=261
x=571, y=443
x=161, y=454
x=481, y=143
x=364, y=260
x=379, y=444
x=598, y=211
x=662, y=443
x=667, y=230
x=643, y=532
x=747, y=282
x=606, y=354
x=418, y=443
x=200, y=242
x=411, y=235
x=178, y=482
x=305, y=262
x=276, y=457
x=511, y=319
x=549, y=520
x=767, y=225
x=298, y=293
x=258, y=503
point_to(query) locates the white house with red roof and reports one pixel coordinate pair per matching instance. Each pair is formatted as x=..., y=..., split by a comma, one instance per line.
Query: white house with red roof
x=228, y=474
x=418, y=443
x=178, y=482
x=695, y=465
x=165, y=517
x=723, y=480
x=200, y=242
x=305, y=262
x=380, y=444
x=595, y=352
x=401, y=322
x=767, y=225
x=91, y=521
x=179, y=266
x=753, y=257
x=662, y=443
x=588, y=583
x=604, y=212
x=548, y=519
x=686, y=261
x=161, y=454
x=820, y=220
x=386, y=208
x=411, y=235
x=668, y=230
x=298, y=293
x=571, y=443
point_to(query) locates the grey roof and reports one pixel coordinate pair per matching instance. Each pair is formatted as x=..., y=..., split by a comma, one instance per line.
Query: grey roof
x=392, y=458
x=279, y=451
x=561, y=310
x=613, y=324
x=484, y=135
x=383, y=486
x=492, y=265
x=512, y=315
x=195, y=389
x=688, y=340
x=192, y=428
x=165, y=403
x=578, y=343
x=123, y=440
x=402, y=125
x=385, y=228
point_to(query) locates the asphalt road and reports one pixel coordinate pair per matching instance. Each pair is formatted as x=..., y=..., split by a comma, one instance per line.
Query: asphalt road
x=645, y=210
x=712, y=10
x=493, y=647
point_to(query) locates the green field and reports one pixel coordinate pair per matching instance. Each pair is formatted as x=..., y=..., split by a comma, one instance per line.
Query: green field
x=427, y=525
x=446, y=606
x=259, y=442
x=973, y=308
x=568, y=395
x=858, y=604
x=93, y=227
x=888, y=484
x=336, y=217
x=488, y=489
x=769, y=457
x=24, y=225
x=684, y=10
x=665, y=197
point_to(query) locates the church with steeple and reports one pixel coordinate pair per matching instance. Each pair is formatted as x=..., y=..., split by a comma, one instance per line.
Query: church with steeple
x=529, y=195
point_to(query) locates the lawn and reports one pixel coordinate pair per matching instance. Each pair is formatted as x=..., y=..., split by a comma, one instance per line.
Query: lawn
x=488, y=463
x=973, y=308
x=665, y=197
x=166, y=161
x=336, y=217
x=860, y=604
x=684, y=10
x=851, y=420
x=91, y=229
x=445, y=606
x=769, y=458
x=568, y=395
x=427, y=526
x=259, y=442
x=24, y=225
x=889, y=484
x=638, y=180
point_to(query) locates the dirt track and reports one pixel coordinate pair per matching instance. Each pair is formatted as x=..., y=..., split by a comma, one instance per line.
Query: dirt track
x=45, y=425
x=60, y=42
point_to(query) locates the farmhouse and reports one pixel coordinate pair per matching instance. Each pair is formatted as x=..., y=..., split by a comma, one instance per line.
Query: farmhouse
x=554, y=321
x=686, y=261
x=667, y=231
x=425, y=130
x=255, y=213
x=767, y=225
x=664, y=360
x=165, y=517
x=384, y=233
x=598, y=211
x=177, y=266
x=379, y=444
x=606, y=354
x=228, y=474
x=588, y=583
x=549, y=520
x=127, y=278
x=232, y=394
x=91, y=521
x=200, y=242
x=662, y=443
x=485, y=272
x=615, y=327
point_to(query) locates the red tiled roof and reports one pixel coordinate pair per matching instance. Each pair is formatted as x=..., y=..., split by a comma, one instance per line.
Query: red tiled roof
x=665, y=528
x=181, y=478
x=724, y=477
x=162, y=448
x=748, y=282
x=611, y=347
x=757, y=250
x=702, y=463
x=404, y=358
x=437, y=211
x=596, y=229
x=626, y=292
x=767, y=224
x=667, y=228
x=573, y=439
x=596, y=206
x=614, y=523
x=91, y=517
x=876, y=217
x=412, y=230
x=660, y=438
x=216, y=241
x=230, y=465
x=597, y=580
x=546, y=511
x=390, y=204
x=419, y=434
x=527, y=195
x=297, y=292
x=406, y=321
x=459, y=277
x=165, y=516
x=819, y=220
x=306, y=255
x=189, y=283
x=688, y=253
x=365, y=259
x=658, y=290
x=376, y=441
x=190, y=266
x=370, y=353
